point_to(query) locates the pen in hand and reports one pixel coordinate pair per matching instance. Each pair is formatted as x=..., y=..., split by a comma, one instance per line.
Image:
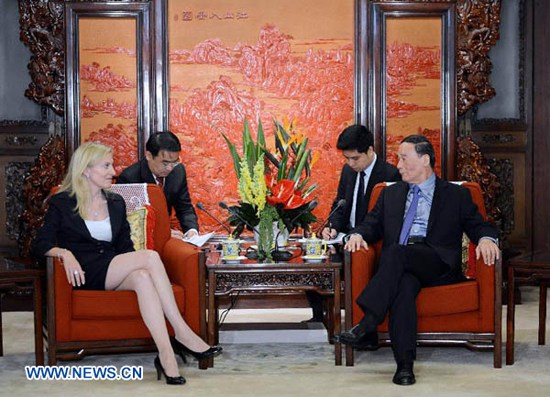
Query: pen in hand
x=332, y=232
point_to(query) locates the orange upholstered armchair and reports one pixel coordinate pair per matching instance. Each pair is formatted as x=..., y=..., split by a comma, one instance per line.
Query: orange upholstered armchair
x=81, y=322
x=464, y=314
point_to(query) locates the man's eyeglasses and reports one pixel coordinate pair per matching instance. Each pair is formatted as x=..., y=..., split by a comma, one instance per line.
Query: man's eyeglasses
x=169, y=164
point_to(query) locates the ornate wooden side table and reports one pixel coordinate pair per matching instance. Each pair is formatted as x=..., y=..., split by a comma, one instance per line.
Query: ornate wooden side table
x=15, y=275
x=250, y=277
x=529, y=269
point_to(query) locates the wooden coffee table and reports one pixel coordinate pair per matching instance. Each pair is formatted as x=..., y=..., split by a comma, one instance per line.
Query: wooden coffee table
x=13, y=276
x=250, y=277
x=529, y=269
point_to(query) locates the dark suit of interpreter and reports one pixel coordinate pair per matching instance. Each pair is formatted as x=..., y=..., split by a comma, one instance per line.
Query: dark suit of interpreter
x=395, y=285
x=381, y=172
x=63, y=227
x=175, y=190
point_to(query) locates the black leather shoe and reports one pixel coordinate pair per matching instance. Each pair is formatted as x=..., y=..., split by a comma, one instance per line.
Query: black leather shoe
x=352, y=337
x=404, y=376
x=368, y=342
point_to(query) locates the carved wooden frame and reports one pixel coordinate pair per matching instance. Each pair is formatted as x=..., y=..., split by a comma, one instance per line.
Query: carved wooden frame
x=141, y=11
x=376, y=14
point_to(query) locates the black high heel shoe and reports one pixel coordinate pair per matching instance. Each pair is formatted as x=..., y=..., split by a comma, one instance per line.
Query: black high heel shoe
x=181, y=349
x=170, y=380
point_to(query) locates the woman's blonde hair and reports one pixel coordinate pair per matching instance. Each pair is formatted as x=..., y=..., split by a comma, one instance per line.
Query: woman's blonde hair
x=86, y=155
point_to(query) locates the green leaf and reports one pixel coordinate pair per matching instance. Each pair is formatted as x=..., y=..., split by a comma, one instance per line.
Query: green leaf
x=271, y=158
x=250, y=152
x=303, y=184
x=285, y=134
x=260, y=139
x=234, y=155
x=281, y=174
x=301, y=151
x=246, y=132
x=309, y=190
x=290, y=174
x=279, y=145
x=307, y=167
x=300, y=166
x=250, y=156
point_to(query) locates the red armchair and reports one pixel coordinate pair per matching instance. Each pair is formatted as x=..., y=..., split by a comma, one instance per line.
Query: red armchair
x=464, y=314
x=82, y=322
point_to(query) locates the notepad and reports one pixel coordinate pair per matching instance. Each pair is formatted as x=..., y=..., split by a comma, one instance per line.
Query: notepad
x=198, y=239
x=337, y=240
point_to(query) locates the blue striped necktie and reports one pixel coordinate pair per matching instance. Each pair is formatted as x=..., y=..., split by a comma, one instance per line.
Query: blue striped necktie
x=409, y=218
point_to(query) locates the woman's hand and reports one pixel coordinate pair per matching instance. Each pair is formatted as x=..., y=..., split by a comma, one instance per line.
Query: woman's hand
x=75, y=274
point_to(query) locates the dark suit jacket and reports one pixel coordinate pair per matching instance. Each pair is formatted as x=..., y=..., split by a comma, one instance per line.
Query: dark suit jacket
x=175, y=190
x=453, y=212
x=63, y=227
x=381, y=172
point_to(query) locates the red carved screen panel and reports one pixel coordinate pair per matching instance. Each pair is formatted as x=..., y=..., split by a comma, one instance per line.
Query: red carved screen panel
x=414, y=79
x=258, y=59
x=413, y=82
x=108, y=77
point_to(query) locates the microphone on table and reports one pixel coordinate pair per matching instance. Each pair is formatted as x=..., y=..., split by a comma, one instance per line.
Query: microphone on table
x=235, y=214
x=339, y=204
x=202, y=208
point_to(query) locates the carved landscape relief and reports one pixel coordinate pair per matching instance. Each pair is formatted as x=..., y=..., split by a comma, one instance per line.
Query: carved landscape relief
x=258, y=60
x=476, y=32
x=108, y=75
x=413, y=82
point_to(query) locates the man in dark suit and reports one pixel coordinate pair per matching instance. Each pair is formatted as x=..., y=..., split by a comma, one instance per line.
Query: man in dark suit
x=363, y=170
x=421, y=221
x=161, y=165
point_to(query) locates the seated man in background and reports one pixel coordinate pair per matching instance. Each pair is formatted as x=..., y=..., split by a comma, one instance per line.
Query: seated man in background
x=421, y=221
x=363, y=170
x=161, y=165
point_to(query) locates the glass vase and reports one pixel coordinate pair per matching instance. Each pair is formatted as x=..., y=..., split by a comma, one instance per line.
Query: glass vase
x=277, y=239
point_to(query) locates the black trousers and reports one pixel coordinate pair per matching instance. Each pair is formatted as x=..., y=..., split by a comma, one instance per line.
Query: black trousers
x=402, y=271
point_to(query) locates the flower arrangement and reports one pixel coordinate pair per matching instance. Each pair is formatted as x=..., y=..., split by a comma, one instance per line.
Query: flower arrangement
x=274, y=185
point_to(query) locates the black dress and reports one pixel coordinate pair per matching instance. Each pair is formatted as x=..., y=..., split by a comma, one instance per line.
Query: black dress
x=63, y=227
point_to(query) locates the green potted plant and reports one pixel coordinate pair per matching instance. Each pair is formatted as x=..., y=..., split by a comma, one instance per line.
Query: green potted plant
x=274, y=186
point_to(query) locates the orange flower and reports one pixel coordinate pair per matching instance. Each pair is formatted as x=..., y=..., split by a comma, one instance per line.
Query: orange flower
x=314, y=159
x=295, y=201
x=283, y=192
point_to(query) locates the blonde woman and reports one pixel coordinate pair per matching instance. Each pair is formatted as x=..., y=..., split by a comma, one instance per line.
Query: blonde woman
x=86, y=227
